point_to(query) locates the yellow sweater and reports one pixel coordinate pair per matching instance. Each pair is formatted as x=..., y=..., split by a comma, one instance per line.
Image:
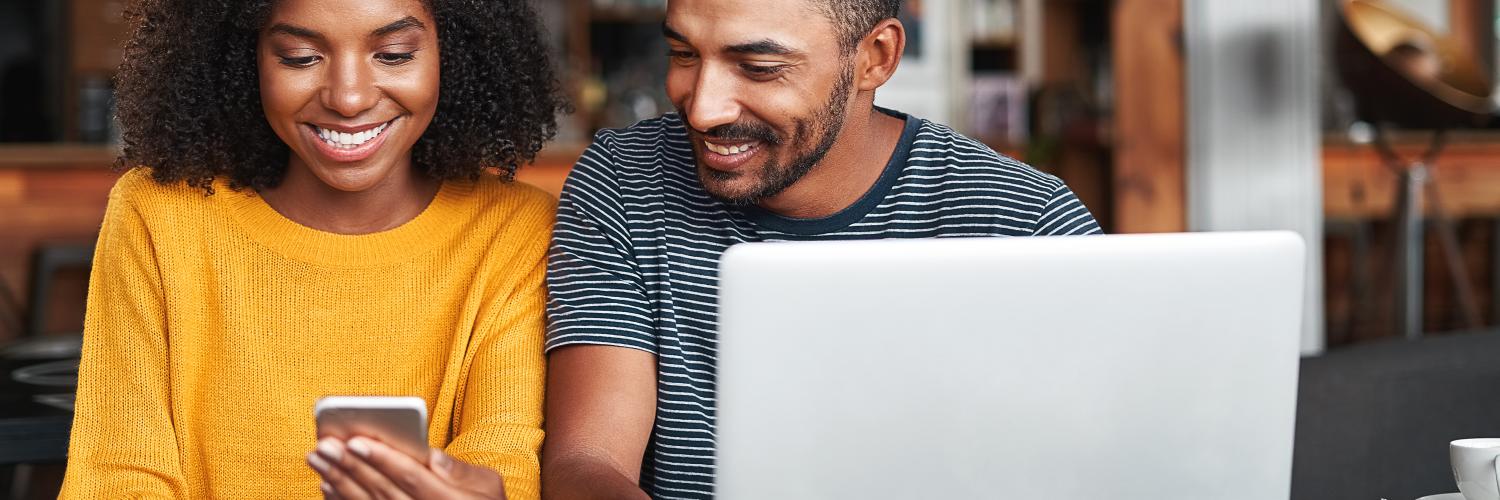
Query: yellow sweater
x=214, y=323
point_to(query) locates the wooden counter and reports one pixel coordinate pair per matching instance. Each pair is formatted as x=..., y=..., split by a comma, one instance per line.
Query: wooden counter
x=1358, y=185
x=548, y=172
x=56, y=194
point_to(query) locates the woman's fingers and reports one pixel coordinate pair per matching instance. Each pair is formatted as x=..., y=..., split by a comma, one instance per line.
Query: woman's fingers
x=366, y=469
x=365, y=478
x=328, y=492
x=406, y=472
x=336, y=483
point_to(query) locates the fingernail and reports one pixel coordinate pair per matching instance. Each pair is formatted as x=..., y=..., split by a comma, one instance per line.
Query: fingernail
x=359, y=447
x=317, y=462
x=441, y=461
x=329, y=449
x=327, y=488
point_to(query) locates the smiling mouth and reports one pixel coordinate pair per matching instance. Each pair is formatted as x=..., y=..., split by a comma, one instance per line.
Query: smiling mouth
x=349, y=140
x=727, y=158
x=730, y=149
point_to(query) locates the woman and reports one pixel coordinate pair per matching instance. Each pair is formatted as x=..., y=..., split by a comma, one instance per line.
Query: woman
x=320, y=205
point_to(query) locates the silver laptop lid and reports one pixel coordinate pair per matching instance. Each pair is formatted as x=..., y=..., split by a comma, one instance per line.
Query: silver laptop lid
x=1120, y=367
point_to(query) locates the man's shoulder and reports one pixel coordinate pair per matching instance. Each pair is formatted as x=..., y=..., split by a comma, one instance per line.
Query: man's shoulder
x=941, y=151
x=636, y=156
x=647, y=135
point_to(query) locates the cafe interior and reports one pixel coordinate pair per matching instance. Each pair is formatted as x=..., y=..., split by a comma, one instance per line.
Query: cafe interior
x=1369, y=127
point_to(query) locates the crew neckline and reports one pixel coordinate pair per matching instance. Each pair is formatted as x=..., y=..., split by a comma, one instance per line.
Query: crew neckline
x=429, y=229
x=861, y=207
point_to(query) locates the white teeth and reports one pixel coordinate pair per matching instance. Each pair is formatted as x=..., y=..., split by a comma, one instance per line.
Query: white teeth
x=345, y=139
x=726, y=150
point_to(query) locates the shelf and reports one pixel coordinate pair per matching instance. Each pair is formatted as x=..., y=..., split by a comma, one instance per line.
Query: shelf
x=998, y=42
x=57, y=155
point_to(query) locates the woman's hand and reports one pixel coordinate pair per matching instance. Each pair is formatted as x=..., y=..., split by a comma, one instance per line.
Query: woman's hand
x=363, y=468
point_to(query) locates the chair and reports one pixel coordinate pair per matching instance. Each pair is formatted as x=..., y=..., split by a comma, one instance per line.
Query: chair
x=48, y=260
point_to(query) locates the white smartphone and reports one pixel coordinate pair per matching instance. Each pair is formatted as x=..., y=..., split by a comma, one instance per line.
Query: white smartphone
x=399, y=422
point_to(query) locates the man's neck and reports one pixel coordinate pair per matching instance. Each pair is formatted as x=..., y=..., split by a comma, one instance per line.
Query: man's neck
x=307, y=200
x=851, y=167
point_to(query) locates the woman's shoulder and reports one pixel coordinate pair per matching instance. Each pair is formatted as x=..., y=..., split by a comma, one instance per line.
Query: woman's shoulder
x=139, y=189
x=161, y=214
x=513, y=200
x=514, y=219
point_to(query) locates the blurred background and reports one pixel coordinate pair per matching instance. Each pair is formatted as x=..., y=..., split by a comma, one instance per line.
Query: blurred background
x=1365, y=125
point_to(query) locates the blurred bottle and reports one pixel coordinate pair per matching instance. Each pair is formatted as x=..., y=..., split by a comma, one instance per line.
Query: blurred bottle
x=96, y=110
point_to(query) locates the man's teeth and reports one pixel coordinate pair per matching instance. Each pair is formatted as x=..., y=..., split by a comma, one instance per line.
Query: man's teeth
x=350, y=139
x=726, y=150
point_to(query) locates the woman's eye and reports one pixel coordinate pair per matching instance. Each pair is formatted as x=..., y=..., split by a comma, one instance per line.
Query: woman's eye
x=394, y=58
x=299, y=62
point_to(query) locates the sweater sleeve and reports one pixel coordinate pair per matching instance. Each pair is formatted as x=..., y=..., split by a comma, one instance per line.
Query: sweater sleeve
x=123, y=444
x=500, y=417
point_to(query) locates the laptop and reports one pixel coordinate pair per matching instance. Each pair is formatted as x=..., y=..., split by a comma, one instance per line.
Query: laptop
x=1142, y=367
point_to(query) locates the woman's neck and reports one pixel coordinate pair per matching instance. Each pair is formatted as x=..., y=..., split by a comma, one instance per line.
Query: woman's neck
x=391, y=202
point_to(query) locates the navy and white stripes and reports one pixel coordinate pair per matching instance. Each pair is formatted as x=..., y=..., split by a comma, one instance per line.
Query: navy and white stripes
x=634, y=261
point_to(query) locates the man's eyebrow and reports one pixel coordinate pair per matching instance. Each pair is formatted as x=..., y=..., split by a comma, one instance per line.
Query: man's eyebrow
x=404, y=23
x=766, y=47
x=297, y=31
x=668, y=32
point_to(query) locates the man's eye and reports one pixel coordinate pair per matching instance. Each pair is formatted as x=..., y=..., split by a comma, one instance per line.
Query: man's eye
x=762, y=70
x=299, y=62
x=394, y=58
x=680, y=54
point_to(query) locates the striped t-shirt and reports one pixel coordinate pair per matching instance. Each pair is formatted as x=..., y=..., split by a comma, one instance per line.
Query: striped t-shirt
x=635, y=255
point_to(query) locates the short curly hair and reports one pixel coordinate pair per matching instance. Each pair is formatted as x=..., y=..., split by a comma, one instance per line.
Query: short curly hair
x=853, y=19
x=188, y=93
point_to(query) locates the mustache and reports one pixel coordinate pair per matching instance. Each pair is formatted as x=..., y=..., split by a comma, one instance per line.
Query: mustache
x=743, y=131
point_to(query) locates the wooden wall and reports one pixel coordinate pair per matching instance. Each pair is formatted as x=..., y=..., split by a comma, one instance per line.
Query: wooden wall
x=58, y=197
x=1149, y=174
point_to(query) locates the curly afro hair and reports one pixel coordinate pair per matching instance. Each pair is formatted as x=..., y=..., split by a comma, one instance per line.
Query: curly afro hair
x=189, y=99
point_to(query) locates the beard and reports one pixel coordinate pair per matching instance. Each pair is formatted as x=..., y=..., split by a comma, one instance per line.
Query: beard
x=774, y=176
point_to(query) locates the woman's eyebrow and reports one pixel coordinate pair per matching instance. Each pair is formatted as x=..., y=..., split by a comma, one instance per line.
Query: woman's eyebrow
x=293, y=30
x=404, y=23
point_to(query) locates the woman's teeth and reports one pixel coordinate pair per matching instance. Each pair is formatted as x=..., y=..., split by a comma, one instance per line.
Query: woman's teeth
x=349, y=140
x=726, y=150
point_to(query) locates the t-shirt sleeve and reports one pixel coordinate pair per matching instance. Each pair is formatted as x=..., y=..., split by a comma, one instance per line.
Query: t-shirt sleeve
x=1065, y=215
x=596, y=295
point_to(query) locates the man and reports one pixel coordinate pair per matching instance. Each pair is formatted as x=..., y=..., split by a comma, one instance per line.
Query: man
x=775, y=137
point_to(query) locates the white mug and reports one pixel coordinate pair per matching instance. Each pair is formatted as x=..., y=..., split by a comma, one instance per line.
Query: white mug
x=1474, y=467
